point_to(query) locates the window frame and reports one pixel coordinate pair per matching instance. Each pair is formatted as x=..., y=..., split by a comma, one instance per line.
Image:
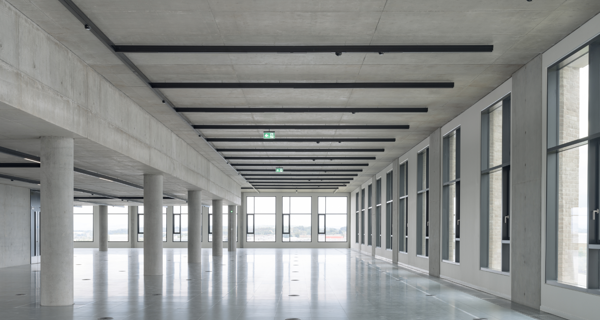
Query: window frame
x=423, y=213
x=253, y=214
x=389, y=209
x=403, y=205
x=289, y=217
x=446, y=185
x=86, y=214
x=324, y=215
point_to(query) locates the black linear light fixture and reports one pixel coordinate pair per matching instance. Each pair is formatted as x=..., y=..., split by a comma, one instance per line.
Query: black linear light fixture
x=318, y=140
x=315, y=175
x=300, y=170
x=301, y=150
x=300, y=158
x=20, y=165
x=345, y=180
x=297, y=182
x=301, y=85
x=291, y=188
x=299, y=127
x=380, y=49
x=302, y=110
x=299, y=165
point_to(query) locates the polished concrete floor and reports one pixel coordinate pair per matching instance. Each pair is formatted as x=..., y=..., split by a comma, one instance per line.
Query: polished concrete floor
x=253, y=284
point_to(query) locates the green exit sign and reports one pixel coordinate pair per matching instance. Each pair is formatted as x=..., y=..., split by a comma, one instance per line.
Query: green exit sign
x=269, y=135
x=278, y=169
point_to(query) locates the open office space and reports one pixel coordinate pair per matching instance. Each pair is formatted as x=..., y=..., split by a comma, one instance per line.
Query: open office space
x=299, y=159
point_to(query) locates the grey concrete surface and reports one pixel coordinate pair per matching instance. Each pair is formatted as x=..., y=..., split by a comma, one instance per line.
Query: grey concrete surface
x=153, y=225
x=526, y=174
x=15, y=222
x=217, y=228
x=103, y=228
x=194, y=226
x=435, y=202
x=232, y=225
x=396, y=210
x=56, y=221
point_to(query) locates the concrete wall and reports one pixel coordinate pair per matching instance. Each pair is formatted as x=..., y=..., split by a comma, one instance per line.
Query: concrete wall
x=42, y=78
x=15, y=223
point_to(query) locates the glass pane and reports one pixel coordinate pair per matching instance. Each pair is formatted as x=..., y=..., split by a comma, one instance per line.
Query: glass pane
x=83, y=227
x=225, y=226
x=141, y=223
x=286, y=223
x=452, y=156
x=83, y=209
x=451, y=221
x=423, y=171
x=118, y=227
x=423, y=217
x=573, y=100
x=322, y=205
x=141, y=209
x=119, y=209
x=264, y=205
x=300, y=205
x=286, y=205
x=300, y=228
x=210, y=223
x=184, y=226
x=250, y=222
x=184, y=209
x=250, y=205
x=249, y=238
x=336, y=228
x=495, y=221
x=176, y=209
x=176, y=238
x=337, y=205
x=495, y=136
x=572, y=216
x=321, y=238
x=164, y=223
x=285, y=238
x=321, y=223
x=177, y=223
x=264, y=230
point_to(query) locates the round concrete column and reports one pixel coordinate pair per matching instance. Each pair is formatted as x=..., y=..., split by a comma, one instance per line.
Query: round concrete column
x=153, y=211
x=103, y=228
x=194, y=226
x=217, y=227
x=232, y=216
x=56, y=221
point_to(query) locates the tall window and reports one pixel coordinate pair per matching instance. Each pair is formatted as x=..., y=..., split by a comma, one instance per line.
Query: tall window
x=403, y=204
x=141, y=223
x=180, y=223
x=422, y=203
x=389, y=203
x=333, y=219
x=357, y=224
x=369, y=215
x=451, y=197
x=83, y=223
x=362, y=217
x=297, y=213
x=573, y=240
x=378, y=214
x=495, y=174
x=118, y=224
x=260, y=219
x=225, y=223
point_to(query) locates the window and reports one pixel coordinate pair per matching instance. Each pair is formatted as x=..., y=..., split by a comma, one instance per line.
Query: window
x=573, y=240
x=403, y=202
x=225, y=223
x=451, y=197
x=495, y=174
x=141, y=224
x=357, y=219
x=333, y=219
x=180, y=223
x=297, y=219
x=369, y=217
x=362, y=217
x=378, y=213
x=422, y=203
x=83, y=223
x=118, y=224
x=389, y=203
x=260, y=218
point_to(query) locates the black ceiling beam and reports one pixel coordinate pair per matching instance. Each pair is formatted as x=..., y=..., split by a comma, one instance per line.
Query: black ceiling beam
x=290, y=188
x=302, y=49
x=258, y=180
x=299, y=127
x=300, y=158
x=302, y=110
x=285, y=165
x=20, y=165
x=295, y=186
x=340, y=140
x=301, y=85
x=301, y=170
x=279, y=175
x=115, y=198
x=301, y=150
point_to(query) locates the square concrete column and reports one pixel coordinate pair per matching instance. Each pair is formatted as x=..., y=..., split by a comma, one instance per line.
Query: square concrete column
x=232, y=216
x=103, y=226
x=194, y=226
x=217, y=228
x=153, y=208
x=56, y=221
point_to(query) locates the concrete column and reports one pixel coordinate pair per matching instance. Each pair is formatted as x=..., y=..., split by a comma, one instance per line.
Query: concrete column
x=217, y=228
x=56, y=221
x=103, y=226
x=153, y=244
x=373, y=215
x=396, y=210
x=195, y=226
x=240, y=226
x=232, y=216
x=435, y=203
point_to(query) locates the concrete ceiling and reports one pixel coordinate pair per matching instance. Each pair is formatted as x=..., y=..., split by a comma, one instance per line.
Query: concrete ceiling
x=518, y=29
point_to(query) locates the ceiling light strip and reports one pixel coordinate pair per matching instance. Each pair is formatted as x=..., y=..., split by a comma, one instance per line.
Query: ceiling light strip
x=302, y=49
x=299, y=165
x=302, y=110
x=301, y=150
x=302, y=85
x=300, y=158
x=299, y=127
x=301, y=140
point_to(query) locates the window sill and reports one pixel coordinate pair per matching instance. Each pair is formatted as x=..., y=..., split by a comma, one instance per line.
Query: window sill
x=502, y=273
x=402, y=252
x=424, y=257
x=451, y=262
x=571, y=287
